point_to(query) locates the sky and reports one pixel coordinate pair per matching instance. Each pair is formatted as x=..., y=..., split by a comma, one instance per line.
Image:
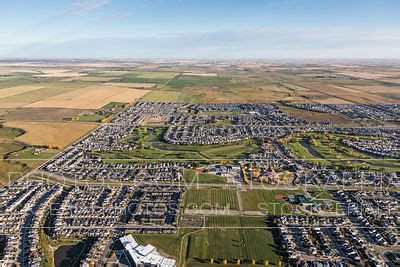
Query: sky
x=200, y=29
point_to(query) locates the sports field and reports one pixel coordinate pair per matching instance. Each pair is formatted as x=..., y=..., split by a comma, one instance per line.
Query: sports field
x=211, y=198
x=269, y=201
x=233, y=238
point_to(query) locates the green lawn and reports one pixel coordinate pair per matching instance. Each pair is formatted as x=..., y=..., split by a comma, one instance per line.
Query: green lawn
x=335, y=154
x=167, y=243
x=235, y=222
x=246, y=244
x=268, y=201
x=191, y=176
x=152, y=147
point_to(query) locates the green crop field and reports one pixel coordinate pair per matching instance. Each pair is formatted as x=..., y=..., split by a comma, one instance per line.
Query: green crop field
x=211, y=198
x=134, y=79
x=158, y=75
x=198, y=81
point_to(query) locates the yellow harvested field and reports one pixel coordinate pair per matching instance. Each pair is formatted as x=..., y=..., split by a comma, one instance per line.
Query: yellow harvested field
x=61, y=75
x=60, y=134
x=92, y=97
x=370, y=75
x=3, y=111
x=200, y=74
x=8, y=71
x=376, y=89
x=334, y=100
x=89, y=79
x=18, y=90
x=357, y=96
x=134, y=85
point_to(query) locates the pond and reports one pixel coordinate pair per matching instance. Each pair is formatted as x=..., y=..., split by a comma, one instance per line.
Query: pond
x=69, y=255
x=310, y=150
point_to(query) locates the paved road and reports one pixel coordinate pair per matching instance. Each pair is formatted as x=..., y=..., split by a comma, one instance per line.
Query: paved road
x=54, y=178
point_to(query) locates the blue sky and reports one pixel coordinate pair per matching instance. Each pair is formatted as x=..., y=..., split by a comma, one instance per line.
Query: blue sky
x=220, y=29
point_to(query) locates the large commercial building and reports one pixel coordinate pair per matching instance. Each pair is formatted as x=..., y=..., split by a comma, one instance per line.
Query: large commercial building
x=144, y=256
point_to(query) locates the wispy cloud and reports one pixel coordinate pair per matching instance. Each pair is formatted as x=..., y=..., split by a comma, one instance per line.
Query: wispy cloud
x=85, y=6
x=379, y=42
x=117, y=16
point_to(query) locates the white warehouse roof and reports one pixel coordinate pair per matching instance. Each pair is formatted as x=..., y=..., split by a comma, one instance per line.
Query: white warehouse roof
x=145, y=255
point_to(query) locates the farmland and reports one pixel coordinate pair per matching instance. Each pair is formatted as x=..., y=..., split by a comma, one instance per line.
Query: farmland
x=55, y=134
x=205, y=183
x=91, y=97
x=18, y=158
x=49, y=90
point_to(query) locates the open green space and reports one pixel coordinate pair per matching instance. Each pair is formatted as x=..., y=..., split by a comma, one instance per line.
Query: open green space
x=9, y=145
x=167, y=243
x=211, y=198
x=32, y=157
x=327, y=150
x=191, y=176
x=270, y=201
x=18, y=158
x=152, y=147
x=232, y=238
x=236, y=221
